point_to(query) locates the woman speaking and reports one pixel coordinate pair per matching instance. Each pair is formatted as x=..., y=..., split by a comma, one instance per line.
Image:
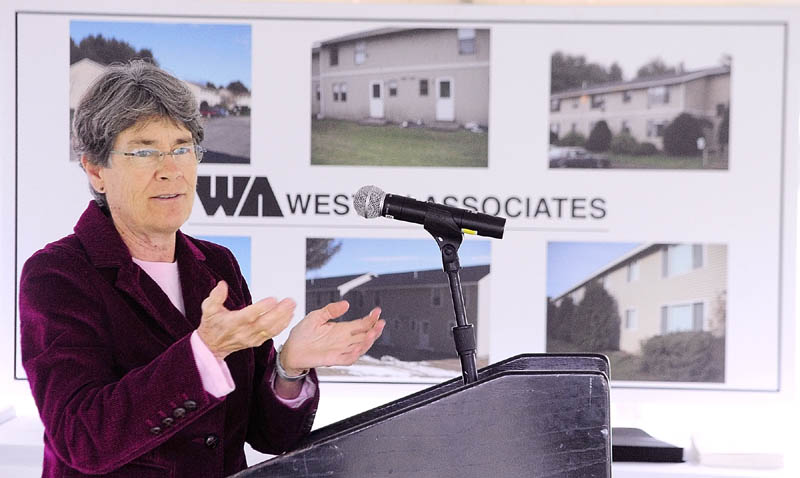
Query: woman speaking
x=144, y=351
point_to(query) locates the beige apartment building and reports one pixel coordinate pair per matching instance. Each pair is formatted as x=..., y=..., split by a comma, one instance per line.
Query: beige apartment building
x=423, y=76
x=84, y=72
x=663, y=288
x=645, y=107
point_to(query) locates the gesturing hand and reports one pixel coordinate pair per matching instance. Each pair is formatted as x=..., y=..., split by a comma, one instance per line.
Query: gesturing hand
x=317, y=341
x=225, y=331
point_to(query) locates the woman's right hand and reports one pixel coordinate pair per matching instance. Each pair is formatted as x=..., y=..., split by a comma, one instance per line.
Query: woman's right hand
x=225, y=331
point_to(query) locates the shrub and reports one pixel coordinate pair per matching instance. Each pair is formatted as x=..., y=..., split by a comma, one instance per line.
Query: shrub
x=685, y=357
x=573, y=138
x=680, y=136
x=553, y=137
x=600, y=137
x=646, y=149
x=624, y=143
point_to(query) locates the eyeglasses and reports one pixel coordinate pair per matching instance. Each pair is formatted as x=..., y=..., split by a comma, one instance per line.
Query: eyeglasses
x=151, y=157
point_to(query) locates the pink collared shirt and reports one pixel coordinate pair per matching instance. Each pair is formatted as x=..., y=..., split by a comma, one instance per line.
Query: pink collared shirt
x=214, y=373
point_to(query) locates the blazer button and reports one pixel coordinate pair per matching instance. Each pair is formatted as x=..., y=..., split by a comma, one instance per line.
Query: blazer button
x=190, y=405
x=155, y=430
x=179, y=412
x=212, y=441
x=167, y=422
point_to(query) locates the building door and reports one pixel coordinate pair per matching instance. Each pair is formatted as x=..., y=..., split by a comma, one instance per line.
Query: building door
x=376, y=99
x=445, y=99
x=425, y=335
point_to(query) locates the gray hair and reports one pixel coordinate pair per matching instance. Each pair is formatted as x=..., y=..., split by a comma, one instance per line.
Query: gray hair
x=123, y=95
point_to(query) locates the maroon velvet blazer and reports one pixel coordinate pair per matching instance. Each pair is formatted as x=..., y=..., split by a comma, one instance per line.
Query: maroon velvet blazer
x=111, y=368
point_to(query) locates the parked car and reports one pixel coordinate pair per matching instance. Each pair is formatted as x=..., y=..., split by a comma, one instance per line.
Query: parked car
x=214, y=112
x=576, y=157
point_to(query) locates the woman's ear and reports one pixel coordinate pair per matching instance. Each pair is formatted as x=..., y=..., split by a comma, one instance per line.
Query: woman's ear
x=95, y=174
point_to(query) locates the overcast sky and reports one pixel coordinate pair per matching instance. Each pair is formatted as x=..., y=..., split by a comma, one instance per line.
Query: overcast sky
x=631, y=46
x=383, y=256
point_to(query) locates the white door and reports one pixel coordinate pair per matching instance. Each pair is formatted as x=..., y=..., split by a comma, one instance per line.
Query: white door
x=376, y=99
x=445, y=99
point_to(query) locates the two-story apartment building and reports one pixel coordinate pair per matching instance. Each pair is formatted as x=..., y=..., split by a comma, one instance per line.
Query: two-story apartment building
x=663, y=288
x=416, y=305
x=644, y=107
x=421, y=76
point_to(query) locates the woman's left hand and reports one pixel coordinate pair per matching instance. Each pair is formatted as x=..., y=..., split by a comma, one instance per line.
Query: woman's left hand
x=317, y=341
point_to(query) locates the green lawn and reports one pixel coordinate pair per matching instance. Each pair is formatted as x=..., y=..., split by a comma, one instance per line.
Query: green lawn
x=661, y=161
x=336, y=142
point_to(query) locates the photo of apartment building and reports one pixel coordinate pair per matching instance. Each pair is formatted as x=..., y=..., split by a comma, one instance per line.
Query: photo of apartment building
x=417, y=308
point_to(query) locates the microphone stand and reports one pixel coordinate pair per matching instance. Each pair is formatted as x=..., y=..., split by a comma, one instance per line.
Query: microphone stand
x=440, y=224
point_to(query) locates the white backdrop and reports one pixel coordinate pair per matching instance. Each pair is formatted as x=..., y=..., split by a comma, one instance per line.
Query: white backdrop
x=751, y=207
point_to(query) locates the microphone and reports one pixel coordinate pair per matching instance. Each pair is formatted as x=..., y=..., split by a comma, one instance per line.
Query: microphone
x=371, y=201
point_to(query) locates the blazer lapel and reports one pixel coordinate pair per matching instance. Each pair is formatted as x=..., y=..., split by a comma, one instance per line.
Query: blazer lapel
x=197, y=279
x=106, y=250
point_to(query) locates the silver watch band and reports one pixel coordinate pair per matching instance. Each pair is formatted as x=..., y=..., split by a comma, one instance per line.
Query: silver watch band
x=282, y=372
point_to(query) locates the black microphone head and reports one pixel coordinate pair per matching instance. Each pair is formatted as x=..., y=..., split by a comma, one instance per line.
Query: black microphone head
x=368, y=201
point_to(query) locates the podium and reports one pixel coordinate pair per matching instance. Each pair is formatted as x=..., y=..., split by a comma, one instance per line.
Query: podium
x=533, y=415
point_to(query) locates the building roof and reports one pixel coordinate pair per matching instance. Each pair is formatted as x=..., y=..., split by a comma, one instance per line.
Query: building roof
x=665, y=80
x=361, y=35
x=643, y=250
x=412, y=278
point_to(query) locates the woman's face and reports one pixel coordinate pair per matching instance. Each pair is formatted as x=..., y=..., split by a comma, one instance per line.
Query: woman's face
x=151, y=197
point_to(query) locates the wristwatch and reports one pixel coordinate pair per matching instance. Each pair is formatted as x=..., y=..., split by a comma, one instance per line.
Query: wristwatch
x=282, y=371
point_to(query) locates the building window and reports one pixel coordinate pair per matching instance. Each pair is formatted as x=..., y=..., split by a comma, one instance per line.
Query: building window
x=679, y=259
x=466, y=41
x=319, y=93
x=598, y=101
x=555, y=105
x=423, y=87
x=343, y=91
x=361, y=53
x=336, y=92
x=575, y=104
x=656, y=128
x=334, y=56
x=633, y=271
x=436, y=297
x=682, y=318
x=413, y=324
x=657, y=95
x=631, y=320
x=626, y=96
x=392, y=87
x=426, y=327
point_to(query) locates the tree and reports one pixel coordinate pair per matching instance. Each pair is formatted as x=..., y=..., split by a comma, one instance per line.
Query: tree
x=599, y=138
x=106, y=51
x=319, y=251
x=597, y=322
x=565, y=319
x=568, y=72
x=655, y=67
x=211, y=85
x=680, y=136
x=237, y=88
